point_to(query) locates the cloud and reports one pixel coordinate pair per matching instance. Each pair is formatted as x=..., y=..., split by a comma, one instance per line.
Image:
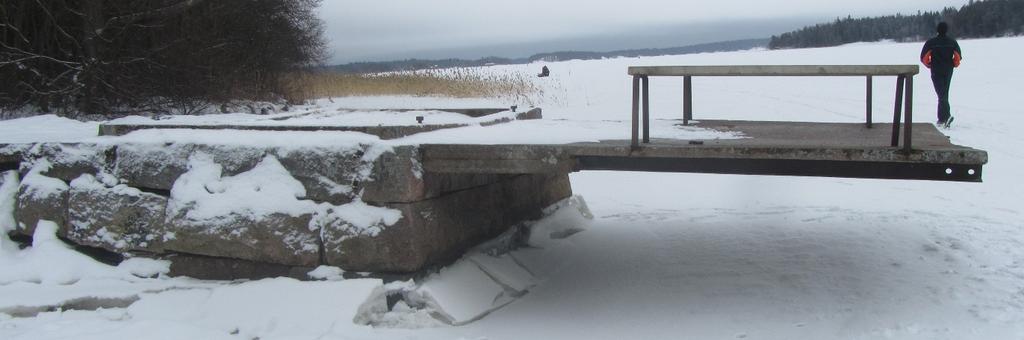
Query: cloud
x=360, y=29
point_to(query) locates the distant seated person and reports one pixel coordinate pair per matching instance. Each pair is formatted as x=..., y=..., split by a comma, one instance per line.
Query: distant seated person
x=544, y=72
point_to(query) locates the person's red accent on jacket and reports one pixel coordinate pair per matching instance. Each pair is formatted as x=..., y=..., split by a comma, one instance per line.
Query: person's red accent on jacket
x=927, y=59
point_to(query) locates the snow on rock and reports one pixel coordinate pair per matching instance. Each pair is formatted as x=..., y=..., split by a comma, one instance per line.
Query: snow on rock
x=327, y=273
x=40, y=198
x=356, y=219
x=329, y=174
x=50, y=261
x=335, y=117
x=261, y=214
x=50, y=275
x=282, y=140
x=103, y=181
x=158, y=165
x=66, y=161
x=334, y=188
x=257, y=215
x=113, y=216
x=38, y=185
x=203, y=194
x=8, y=196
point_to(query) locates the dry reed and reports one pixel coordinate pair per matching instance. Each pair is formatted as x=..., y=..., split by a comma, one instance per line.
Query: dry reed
x=454, y=83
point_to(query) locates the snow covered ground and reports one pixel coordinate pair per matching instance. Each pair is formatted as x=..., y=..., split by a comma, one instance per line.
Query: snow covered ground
x=666, y=255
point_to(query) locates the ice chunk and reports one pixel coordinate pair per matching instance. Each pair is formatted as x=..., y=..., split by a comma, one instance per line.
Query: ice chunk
x=506, y=271
x=327, y=273
x=463, y=293
x=39, y=185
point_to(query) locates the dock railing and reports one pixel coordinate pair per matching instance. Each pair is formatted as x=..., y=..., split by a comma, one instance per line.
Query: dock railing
x=904, y=89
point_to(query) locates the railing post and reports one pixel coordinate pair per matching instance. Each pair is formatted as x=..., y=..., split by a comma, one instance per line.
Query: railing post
x=636, y=113
x=897, y=111
x=647, y=109
x=869, y=86
x=687, y=100
x=909, y=115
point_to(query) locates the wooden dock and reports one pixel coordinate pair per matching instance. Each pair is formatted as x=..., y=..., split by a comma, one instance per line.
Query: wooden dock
x=770, y=148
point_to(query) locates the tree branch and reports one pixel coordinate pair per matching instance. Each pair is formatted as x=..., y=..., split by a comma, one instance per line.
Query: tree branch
x=176, y=8
x=56, y=24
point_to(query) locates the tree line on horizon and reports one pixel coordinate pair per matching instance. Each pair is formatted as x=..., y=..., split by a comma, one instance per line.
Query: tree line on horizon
x=108, y=57
x=421, y=64
x=976, y=19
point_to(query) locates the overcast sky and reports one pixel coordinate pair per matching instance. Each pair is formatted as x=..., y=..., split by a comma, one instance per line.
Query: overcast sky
x=375, y=30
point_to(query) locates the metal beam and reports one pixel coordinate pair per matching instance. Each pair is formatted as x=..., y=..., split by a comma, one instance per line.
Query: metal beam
x=787, y=167
x=647, y=108
x=908, y=115
x=775, y=70
x=897, y=112
x=687, y=100
x=636, y=113
x=504, y=166
x=869, y=101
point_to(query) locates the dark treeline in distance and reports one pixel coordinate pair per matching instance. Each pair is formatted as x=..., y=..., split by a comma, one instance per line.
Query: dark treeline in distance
x=120, y=56
x=418, y=64
x=977, y=19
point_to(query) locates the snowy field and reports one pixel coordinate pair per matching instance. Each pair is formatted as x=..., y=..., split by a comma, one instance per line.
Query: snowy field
x=682, y=256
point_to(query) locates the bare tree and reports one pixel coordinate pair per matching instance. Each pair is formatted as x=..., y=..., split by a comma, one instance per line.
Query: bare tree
x=111, y=56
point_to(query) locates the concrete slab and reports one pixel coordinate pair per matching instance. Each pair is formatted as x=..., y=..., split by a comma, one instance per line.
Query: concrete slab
x=384, y=132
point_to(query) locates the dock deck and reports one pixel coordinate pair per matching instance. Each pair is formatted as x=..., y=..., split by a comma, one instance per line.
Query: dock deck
x=770, y=148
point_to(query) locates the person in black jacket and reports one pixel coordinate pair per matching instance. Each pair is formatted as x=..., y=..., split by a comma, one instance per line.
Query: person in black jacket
x=941, y=54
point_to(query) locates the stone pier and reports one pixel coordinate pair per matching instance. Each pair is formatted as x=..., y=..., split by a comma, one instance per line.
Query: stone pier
x=357, y=207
